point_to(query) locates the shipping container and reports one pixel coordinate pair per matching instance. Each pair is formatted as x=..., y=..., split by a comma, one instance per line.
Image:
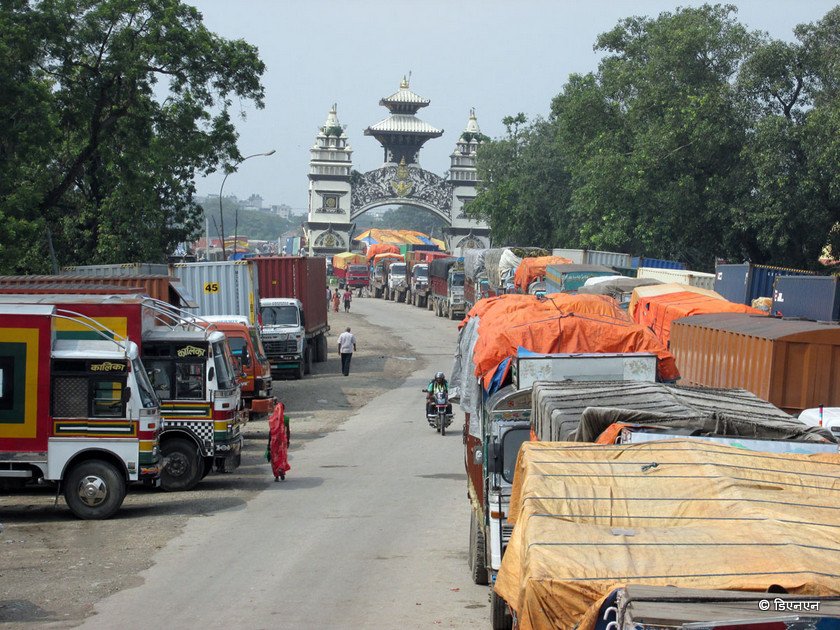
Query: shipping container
x=745, y=282
x=593, y=257
x=164, y=288
x=811, y=297
x=222, y=288
x=680, y=276
x=794, y=364
x=126, y=269
x=302, y=278
x=568, y=278
x=659, y=263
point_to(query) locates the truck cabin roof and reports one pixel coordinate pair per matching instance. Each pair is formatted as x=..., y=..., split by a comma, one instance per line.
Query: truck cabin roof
x=93, y=349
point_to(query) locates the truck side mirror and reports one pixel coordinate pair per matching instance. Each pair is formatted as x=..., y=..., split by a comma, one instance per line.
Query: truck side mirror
x=494, y=457
x=211, y=373
x=126, y=395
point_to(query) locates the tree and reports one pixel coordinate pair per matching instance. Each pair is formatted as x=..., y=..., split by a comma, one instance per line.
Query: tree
x=110, y=176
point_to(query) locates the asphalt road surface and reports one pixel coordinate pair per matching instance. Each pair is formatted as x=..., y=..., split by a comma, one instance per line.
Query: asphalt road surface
x=369, y=530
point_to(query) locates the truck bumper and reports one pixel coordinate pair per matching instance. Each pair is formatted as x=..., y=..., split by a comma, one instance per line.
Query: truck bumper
x=285, y=362
x=228, y=455
x=262, y=405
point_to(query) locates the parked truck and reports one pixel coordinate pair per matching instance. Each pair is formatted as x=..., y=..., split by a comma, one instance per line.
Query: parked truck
x=446, y=298
x=293, y=312
x=191, y=371
x=418, y=285
x=380, y=271
x=493, y=439
x=77, y=412
x=357, y=277
x=397, y=288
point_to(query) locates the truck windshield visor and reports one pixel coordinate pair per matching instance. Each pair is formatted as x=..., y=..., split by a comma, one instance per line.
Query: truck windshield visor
x=457, y=279
x=398, y=270
x=222, y=361
x=511, y=442
x=144, y=387
x=286, y=315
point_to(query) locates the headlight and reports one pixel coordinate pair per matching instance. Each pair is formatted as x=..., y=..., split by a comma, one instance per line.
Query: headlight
x=282, y=337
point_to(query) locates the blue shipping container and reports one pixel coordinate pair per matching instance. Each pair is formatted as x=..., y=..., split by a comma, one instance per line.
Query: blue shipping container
x=811, y=297
x=659, y=263
x=745, y=282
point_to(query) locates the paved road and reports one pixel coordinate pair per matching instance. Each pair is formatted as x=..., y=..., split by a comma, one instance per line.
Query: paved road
x=369, y=530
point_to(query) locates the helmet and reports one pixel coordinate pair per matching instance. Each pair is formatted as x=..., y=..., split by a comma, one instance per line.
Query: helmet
x=440, y=376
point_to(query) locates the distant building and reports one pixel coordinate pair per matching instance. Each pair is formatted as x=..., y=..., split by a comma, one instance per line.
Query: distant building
x=283, y=211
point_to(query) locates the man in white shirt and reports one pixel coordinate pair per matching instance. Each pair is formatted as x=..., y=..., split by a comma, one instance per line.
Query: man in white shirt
x=346, y=347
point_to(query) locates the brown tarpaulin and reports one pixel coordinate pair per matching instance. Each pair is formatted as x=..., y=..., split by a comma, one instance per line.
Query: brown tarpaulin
x=692, y=514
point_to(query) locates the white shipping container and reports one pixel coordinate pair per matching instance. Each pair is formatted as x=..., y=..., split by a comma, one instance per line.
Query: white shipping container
x=680, y=276
x=222, y=288
x=594, y=257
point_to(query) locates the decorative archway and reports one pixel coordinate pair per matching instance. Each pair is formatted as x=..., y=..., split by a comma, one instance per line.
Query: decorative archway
x=337, y=198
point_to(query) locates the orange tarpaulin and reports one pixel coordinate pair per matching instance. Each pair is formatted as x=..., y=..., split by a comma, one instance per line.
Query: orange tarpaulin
x=657, y=312
x=662, y=289
x=381, y=248
x=532, y=268
x=560, y=323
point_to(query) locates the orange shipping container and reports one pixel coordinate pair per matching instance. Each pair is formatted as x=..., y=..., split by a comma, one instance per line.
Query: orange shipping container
x=793, y=364
x=163, y=288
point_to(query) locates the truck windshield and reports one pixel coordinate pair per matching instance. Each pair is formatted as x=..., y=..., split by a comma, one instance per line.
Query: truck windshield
x=147, y=394
x=457, y=279
x=357, y=269
x=223, y=363
x=421, y=272
x=286, y=315
x=398, y=269
x=511, y=442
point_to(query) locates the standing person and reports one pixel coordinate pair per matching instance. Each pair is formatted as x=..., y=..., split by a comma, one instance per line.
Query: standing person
x=348, y=295
x=346, y=348
x=329, y=295
x=278, y=442
x=336, y=299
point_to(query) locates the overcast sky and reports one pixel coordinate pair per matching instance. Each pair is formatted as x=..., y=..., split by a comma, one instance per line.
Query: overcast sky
x=501, y=57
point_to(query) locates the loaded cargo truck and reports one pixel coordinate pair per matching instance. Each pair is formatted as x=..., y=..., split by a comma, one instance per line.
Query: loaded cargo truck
x=418, y=290
x=341, y=264
x=397, y=281
x=79, y=412
x=380, y=272
x=293, y=312
x=446, y=297
x=493, y=438
x=357, y=277
x=191, y=371
x=249, y=358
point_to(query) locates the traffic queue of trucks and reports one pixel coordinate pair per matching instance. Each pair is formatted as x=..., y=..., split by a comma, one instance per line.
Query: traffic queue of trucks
x=601, y=491
x=106, y=380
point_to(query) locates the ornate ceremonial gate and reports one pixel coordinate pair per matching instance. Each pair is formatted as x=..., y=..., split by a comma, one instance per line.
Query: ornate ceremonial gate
x=337, y=197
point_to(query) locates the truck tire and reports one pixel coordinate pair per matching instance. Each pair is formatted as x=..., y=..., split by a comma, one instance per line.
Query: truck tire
x=184, y=466
x=453, y=315
x=421, y=301
x=377, y=293
x=94, y=489
x=499, y=617
x=298, y=373
x=478, y=568
x=320, y=348
x=307, y=359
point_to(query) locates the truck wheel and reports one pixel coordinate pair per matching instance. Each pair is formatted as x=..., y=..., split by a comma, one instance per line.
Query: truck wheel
x=499, y=617
x=386, y=294
x=94, y=489
x=320, y=349
x=307, y=359
x=208, y=466
x=183, y=467
x=478, y=570
x=453, y=315
x=377, y=293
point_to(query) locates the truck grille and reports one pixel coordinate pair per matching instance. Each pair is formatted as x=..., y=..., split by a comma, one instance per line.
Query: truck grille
x=280, y=347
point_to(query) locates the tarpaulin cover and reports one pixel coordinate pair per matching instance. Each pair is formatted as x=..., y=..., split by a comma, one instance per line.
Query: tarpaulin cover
x=658, y=311
x=589, y=519
x=344, y=260
x=532, y=268
x=560, y=323
x=668, y=287
x=381, y=248
x=388, y=257
x=394, y=237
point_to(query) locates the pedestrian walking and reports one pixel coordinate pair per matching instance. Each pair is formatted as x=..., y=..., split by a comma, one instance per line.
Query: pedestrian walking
x=346, y=348
x=336, y=299
x=348, y=296
x=329, y=295
x=278, y=442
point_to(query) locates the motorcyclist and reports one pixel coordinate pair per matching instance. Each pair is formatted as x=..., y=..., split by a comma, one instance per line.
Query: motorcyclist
x=437, y=384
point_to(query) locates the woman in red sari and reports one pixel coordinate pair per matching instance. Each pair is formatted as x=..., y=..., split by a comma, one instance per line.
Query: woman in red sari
x=278, y=442
x=336, y=300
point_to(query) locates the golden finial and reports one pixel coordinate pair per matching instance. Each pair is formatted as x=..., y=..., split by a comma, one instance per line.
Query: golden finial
x=404, y=83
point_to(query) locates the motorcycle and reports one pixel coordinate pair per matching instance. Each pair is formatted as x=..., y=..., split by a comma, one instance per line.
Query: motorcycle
x=441, y=418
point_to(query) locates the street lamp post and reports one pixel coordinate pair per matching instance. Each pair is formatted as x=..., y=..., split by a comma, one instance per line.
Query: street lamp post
x=221, y=210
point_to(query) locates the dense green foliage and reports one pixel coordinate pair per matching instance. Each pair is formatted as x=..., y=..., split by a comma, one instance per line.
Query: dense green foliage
x=695, y=139
x=109, y=109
